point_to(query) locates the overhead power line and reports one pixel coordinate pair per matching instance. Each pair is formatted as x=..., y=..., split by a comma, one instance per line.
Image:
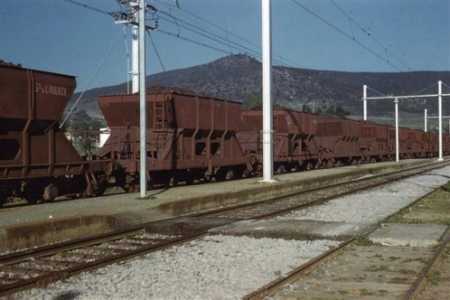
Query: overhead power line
x=375, y=91
x=163, y=67
x=447, y=86
x=367, y=32
x=87, y=6
x=168, y=33
x=202, y=19
x=91, y=81
x=179, y=36
x=242, y=39
x=425, y=89
x=224, y=41
x=211, y=36
x=347, y=35
x=196, y=29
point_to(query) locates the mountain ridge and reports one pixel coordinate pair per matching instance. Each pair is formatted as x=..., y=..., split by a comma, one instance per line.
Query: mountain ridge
x=238, y=77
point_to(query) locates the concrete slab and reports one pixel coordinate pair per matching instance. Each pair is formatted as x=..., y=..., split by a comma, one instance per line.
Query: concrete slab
x=361, y=272
x=413, y=235
x=292, y=229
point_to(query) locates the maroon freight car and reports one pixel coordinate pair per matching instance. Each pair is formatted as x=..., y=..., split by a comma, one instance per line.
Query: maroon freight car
x=36, y=160
x=305, y=140
x=293, y=133
x=194, y=137
x=189, y=137
x=302, y=140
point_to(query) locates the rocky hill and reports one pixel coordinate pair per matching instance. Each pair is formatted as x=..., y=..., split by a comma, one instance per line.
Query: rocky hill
x=238, y=77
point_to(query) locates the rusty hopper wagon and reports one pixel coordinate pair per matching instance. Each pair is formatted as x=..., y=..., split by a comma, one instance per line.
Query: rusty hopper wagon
x=198, y=137
x=189, y=137
x=303, y=141
x=36, y=160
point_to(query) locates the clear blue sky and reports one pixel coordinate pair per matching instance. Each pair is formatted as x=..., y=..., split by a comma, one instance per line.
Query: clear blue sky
x=57, y=36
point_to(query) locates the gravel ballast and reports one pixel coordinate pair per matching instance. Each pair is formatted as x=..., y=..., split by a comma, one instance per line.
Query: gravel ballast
x=229, y=267
x=215, y=267
x=373, y=205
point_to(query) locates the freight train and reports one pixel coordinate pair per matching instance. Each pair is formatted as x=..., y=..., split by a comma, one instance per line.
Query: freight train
x=191, y=138
x=37, y=162
x=198, y=138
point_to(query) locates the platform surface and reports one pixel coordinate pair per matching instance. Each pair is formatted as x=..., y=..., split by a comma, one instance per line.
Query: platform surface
x=139, y=210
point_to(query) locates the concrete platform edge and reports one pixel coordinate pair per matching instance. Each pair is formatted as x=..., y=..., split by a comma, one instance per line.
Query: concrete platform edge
x=26, y=235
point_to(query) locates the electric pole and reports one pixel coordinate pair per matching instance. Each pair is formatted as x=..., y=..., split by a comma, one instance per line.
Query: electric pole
x=267, y=131
x=134, y=59
x=135, y=16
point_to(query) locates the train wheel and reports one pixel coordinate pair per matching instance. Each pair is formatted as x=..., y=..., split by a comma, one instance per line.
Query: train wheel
x=32, y=196
x=221, y=174
x=207, y=177
x=51, y=191
x=152, y=182
x=230, y=174
x=322, y=163
x=239, y=172
x=131, y=187
x=281, y=169
x=246, y=173
x=173, y=181
x=31, y=191
x=120, y=177
x=331, y=163
x=3, y=196
x=102, y=184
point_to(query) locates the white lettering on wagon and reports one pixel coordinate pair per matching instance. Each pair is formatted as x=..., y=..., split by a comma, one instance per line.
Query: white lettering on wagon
x=48, y=89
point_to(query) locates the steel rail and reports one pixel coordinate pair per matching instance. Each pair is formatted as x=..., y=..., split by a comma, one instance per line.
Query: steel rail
x=417, y=286
x=276, y=285
x=16, y=258
x=272, y=287
x=53, y=276
x=67, y=245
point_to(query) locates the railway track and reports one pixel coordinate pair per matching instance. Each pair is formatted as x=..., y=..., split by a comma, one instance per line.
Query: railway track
x=303, y=270
x=417, y=286
x=412, y=293
x=41, y=266
x=274, y=286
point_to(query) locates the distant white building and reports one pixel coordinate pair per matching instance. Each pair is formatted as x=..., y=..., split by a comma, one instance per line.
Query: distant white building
x=68, y=135
x=104, y=135
x=99, y=137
